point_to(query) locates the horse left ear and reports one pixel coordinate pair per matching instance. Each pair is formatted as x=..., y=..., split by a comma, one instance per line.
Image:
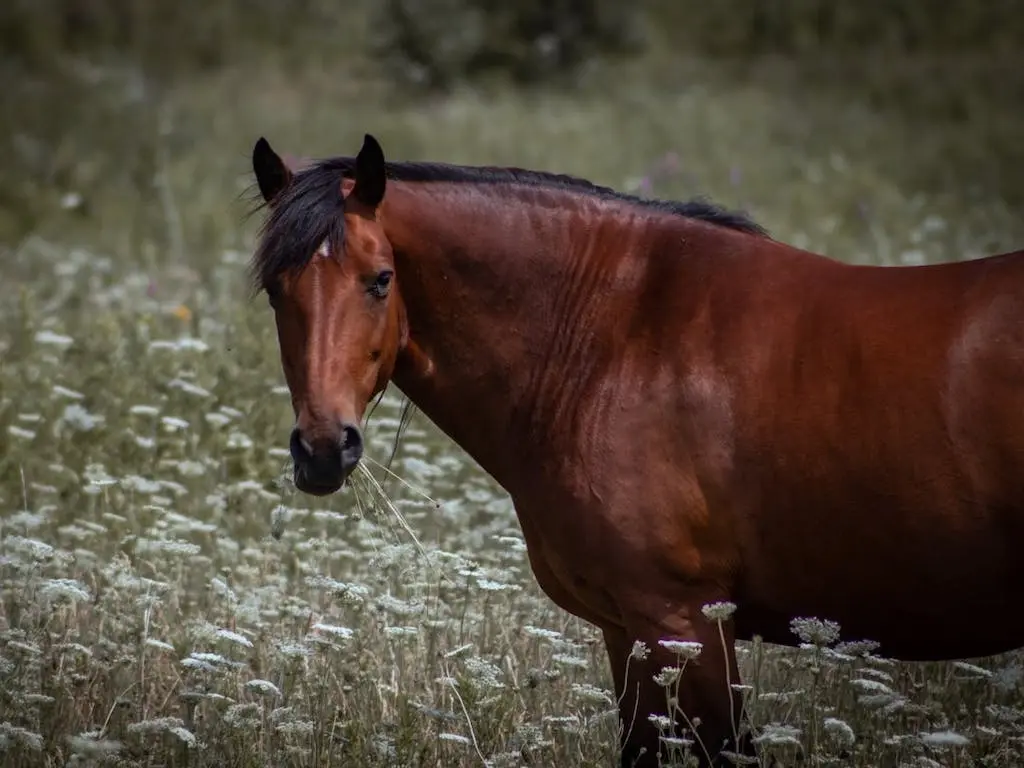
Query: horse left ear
x=370, y=173
x=272, y=174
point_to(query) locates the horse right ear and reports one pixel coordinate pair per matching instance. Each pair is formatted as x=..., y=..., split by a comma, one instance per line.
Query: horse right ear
x=272, y=175
x=371, y=173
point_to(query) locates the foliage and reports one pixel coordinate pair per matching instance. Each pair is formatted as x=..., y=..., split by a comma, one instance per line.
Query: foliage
x=440, y=43
x=168, y=599
x=745, y=28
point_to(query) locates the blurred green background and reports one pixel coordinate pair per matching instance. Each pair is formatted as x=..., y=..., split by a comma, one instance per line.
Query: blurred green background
x=129, y=123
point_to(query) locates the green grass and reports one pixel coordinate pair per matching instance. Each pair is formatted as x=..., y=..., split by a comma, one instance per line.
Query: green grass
x=150, y=616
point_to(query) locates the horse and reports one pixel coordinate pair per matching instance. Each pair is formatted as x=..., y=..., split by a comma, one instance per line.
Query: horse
x=683, y=410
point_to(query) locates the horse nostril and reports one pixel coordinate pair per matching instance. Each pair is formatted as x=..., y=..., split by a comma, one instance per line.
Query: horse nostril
x=351, y=446
x=298, y=447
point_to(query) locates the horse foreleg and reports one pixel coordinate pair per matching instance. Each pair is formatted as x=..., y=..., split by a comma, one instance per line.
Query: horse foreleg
x=696, y=702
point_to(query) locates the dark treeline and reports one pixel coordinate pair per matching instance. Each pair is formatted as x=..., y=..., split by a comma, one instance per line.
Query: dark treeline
x=434, y=43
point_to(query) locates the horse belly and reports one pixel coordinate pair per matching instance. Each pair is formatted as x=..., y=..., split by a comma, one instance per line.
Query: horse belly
x=925, y=584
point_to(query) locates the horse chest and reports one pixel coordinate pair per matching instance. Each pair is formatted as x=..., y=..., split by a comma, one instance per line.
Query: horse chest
x=568, y=561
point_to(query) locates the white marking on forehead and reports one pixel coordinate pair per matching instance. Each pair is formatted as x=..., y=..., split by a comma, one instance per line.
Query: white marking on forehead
x=324, y=251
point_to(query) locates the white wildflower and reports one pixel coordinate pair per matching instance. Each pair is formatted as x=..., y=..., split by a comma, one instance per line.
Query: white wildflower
x=667, y=676
x=77, y=417
x=297, y=728
x=26, y=738
x=159, y=644
x=173, y=725
x=887, y=702
x=243, y=715
x=677, y=742
x=234, y=637
x=353, y=593
x=27, y=520
x=264, y=686
x=777, y=735
x=683, y=648
x=839, y=730
x=458, y=651
x=333, y=630
x=70, y=394
x=239, y=441
x=185, y=735
x=561, y=719
x=943, y=739
x=97, y=476
x=548, y=634
x=972, y=669
x=37, y=550
x=90, y=745
x=567, y=660
x=858, y=648
x=221, y=588
x=191, y=343
x=483, y=673
x=780, y=697
x=188, y=387
x=192, y=662
x=168, y=546
x=20, y=432
x=488, y=585
x=54, y=339
x=190, y=468
x=294, y=650
x=720, y=611
x=68, y=589
x=144, y=410
x=592, y=693
x=217, y=659
x=640, y=651
x=398, y=607
x=218, y=420
x=1006, y=679
x=401, y=631
x=173, y=423
x=75, y=648
x=870, y=686
x=660, y=722
x=454, y=738
x=814, y=631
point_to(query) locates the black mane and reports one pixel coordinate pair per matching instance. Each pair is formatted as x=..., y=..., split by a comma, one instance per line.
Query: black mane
x=306, y=214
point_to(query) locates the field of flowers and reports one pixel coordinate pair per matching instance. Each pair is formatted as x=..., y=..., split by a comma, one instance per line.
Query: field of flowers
x=169, y=599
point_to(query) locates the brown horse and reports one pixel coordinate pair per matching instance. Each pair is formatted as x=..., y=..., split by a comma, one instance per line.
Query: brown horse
x=682, y=409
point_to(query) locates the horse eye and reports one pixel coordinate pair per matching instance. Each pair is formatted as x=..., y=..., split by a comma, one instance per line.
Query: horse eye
x=381, y=284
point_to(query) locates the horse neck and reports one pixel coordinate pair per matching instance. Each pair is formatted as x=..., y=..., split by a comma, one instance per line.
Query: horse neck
x=511, y=293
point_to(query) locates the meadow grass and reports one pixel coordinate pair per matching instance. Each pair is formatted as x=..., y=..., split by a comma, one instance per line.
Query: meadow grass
x=169, y=599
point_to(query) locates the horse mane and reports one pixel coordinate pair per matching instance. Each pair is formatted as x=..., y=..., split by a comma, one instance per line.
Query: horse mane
x=306, y=213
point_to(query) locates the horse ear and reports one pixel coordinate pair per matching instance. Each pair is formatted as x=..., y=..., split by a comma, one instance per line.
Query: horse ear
x=272, y=174
x=370, y=173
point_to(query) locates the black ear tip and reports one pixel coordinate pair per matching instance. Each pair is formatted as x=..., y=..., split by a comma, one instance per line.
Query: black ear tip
x=370, y=143
x=262, y=147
